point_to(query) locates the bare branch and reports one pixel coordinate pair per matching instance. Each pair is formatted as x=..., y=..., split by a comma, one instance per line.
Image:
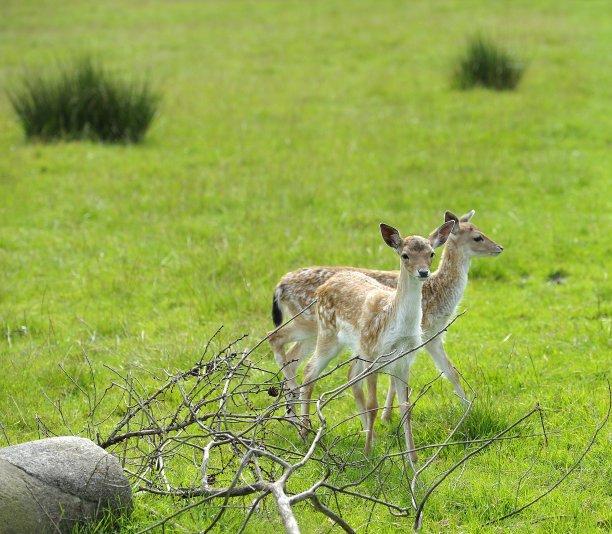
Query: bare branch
x=570, y=470
x=215, y=435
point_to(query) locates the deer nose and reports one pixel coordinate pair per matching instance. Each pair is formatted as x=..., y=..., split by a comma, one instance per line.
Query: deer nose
x=423, y=273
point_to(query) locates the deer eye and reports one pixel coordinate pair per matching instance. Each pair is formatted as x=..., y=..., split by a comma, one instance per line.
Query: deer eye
x=405, y=256
x=432, y=255
x=479, y=238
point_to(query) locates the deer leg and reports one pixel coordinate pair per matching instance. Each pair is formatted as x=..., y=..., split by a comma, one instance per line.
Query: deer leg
x=303, y=333
x=295, y=356
x=436, y=349
x=354, y=369
x=371, y=409
x=403, y=396
x=386, y=415
x=327, y=349
x=298, y=330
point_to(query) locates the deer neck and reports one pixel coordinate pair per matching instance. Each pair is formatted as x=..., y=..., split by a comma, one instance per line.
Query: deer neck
x=406, y=309
x=454, y=266
x=444, y=289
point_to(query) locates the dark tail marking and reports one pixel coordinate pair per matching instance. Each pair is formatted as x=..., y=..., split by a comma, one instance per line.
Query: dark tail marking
x=277, y=314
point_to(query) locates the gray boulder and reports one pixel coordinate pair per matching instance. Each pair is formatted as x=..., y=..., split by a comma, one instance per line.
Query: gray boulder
x=51, y=484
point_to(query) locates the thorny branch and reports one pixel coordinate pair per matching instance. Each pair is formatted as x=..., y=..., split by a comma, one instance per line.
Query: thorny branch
x=215, y=435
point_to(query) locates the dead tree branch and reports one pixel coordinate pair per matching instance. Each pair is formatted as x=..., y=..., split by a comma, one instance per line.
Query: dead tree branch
x=215, y=435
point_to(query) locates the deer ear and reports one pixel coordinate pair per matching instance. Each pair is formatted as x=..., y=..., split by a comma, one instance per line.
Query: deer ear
x=390, y=235
x=450, y=216
x=467, y=216
x=439, y=236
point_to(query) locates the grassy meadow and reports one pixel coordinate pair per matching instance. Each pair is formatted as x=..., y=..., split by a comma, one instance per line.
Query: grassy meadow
x=286, y=132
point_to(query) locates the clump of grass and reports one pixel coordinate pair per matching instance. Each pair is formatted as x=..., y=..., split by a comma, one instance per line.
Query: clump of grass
x=484, y=420
x=83, y=101
x=487, y=64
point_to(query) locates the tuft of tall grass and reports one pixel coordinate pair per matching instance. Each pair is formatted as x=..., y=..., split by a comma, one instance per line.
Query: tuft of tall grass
x=487, y=64
x=485, y=420
x=83, y=101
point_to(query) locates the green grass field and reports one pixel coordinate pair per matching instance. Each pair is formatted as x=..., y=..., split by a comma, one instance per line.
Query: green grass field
x=287, y=131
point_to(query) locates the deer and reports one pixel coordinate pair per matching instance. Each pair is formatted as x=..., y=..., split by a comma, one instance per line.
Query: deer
x=441, y=295
x=354, y=310
x=294, y=295
x=442, y=292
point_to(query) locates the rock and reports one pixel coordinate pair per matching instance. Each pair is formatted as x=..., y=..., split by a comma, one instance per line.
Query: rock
x=51, y=484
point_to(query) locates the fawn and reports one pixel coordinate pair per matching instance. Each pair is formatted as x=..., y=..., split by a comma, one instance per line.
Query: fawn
x=441, y=295
x=442, y=292
x=354, y=310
